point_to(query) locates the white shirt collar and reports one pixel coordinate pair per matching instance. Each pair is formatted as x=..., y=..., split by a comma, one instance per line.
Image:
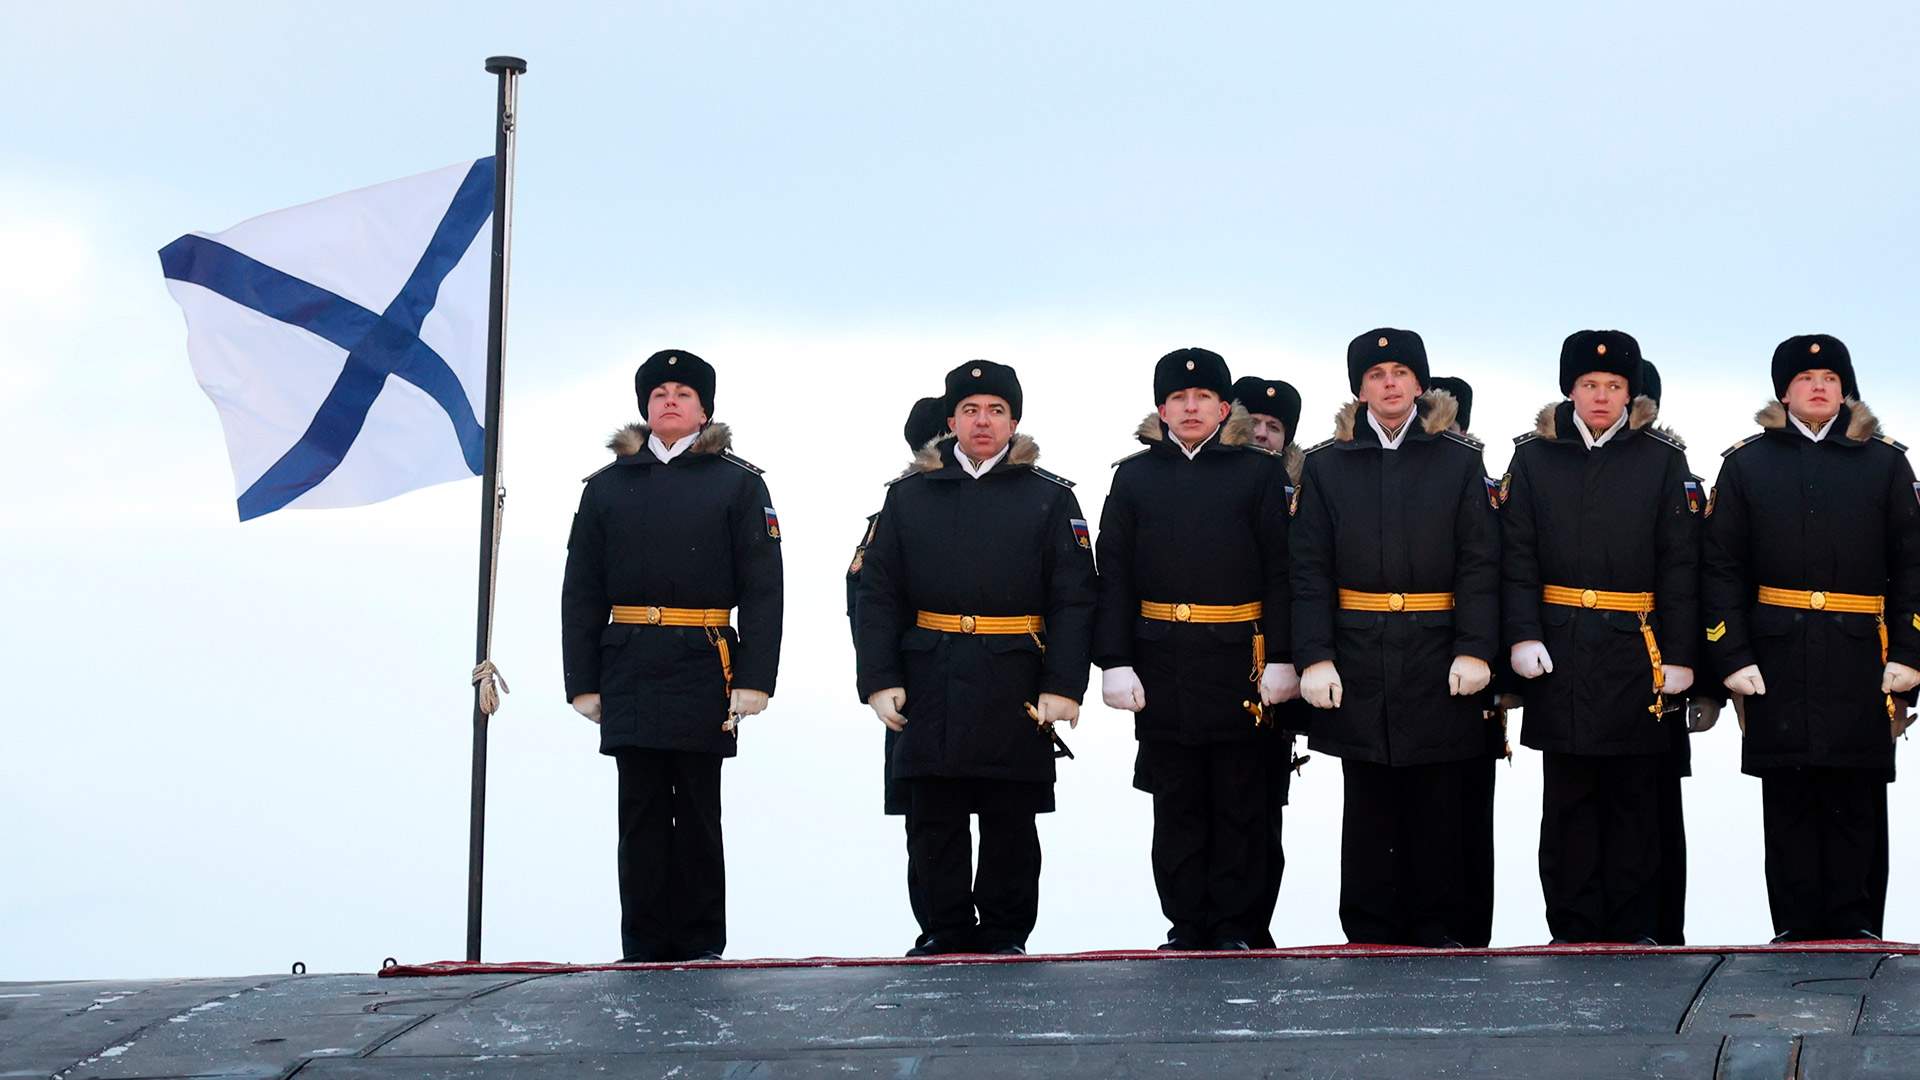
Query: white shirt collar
x=667, y=453
x=1201, y=445
x=1391, y=442
x=1807, y=429
x=1586, y=433
x=967, y=465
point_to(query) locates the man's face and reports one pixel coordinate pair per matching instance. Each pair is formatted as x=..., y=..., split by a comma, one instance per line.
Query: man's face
x=1599, y=397
x=1268, y=433
x=1193, y=414
x=982, y=424
x=674, y=412
x=1814, y=395
x=1389, y=391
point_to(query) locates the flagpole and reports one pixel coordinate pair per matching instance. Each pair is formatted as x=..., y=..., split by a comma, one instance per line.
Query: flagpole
x=492, y=495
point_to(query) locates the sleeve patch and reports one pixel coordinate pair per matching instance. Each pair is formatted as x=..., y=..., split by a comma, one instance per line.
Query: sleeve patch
x=1715, y=633
x=1493, y=492
x=1916, y=492
x=1080, y=534
x=1506, y=487
x=1293, y=500
x=1693, y=497
x=773, y=523
x=1713, y=494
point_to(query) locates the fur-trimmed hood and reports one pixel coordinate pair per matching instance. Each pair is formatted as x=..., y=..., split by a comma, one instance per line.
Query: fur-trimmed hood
x=1862, y=425
x=1441, y=409
x=1294, y=460
x=931, y=458
x=715, y=438
x=1644, y=412
x=1236, y=431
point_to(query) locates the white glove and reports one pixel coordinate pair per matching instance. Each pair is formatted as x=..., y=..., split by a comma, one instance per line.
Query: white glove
x=1747, y=681
x=1120, y=688
x=1320, y=685
x=588, y=705
x=1899, y=679
x=886, y=704
x=1278, y=683
x=1468, y=676
x=1674, y=679
x=1530, y=659
x=1702, y=714
x=746, y=702
x=1054, y=709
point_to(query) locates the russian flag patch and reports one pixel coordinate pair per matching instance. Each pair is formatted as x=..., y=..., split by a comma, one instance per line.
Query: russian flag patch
x=1693, y=497
x=773, y=523
x=1083, y=537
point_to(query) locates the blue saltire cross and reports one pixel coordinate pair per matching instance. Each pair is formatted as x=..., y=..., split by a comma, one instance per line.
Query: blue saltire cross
x=378, y=346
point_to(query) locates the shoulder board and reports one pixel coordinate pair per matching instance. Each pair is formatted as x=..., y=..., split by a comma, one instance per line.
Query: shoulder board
x=1130, y=457
x=1464, y=439
x=1741, y=443
x=904, y=473
x=1893, y=442
x=600, y=470
x=728, y=455
x=1319, y=446
x=1522, y=440
x=1056, y=478
x=1658, y=435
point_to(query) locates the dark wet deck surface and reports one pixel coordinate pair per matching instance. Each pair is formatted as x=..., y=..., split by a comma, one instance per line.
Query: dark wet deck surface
x=1732, y=1016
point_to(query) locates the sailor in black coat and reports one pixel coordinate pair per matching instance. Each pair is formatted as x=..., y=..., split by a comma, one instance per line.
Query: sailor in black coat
x=1192, y=634
x=1703, y=706
x=926, y=422
x=668, y=539
x=1600, y=579
x=1396, y=555
x=1475, y=926
x=1274, y=407
x=974, y=632
x=1812, y=607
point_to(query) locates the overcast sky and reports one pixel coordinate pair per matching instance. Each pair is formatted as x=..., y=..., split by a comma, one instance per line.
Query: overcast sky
x=230, y=747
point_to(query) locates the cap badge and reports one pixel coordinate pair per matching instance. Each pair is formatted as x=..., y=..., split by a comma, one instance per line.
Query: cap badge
x=1383, y=343
x=1189, y=365
x=672, y=360
x=1814, y=348
x=1600, y=350
x=976, y=373
x=1271, y=391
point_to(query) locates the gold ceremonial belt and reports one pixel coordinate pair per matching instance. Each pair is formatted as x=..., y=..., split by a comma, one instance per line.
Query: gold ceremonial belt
x=1201, y=613
x=980, y=624
x=670, y=616
x=1637, y=603
x=1851, y=603
x=1354, y=600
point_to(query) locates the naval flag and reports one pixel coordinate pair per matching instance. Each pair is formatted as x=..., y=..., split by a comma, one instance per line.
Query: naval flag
x=344, y=342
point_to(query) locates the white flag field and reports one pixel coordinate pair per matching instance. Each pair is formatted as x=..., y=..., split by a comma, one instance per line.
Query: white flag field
x=344, y=342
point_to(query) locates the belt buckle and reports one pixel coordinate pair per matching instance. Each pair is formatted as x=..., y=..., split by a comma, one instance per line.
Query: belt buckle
x=1588, y=598
x=966, y=624
x=1396, y=601
x=653, y=616
x=1817, y=600
x=1183, y=613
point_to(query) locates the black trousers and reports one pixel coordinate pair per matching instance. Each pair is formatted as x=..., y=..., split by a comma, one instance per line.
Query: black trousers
x=1279, y=785
x=1826, y=851
x=1401, y=878
x=1213, y=831
x=1671, y=925
x=1475, y=927
x=1600, y=845
x=673, y=873
x=993, y=908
